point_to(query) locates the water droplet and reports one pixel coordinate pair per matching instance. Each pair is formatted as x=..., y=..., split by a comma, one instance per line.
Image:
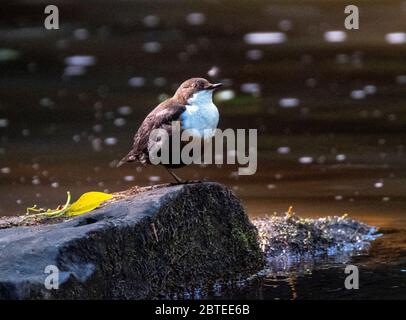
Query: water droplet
x=341, y=157
x=4, y=123
x=392, y=117
x=265, y=38
x=358, y=94
x=97, y=144
x=306, y=160
x=7, y=54
x=46, y=102
x=196, y=18
x=311, y=82
x=395, y=37
x=154, y=178
x=119, y=122
x=124, y=110
x=136, y=82
x=97, y=128
x=377, y=113
x=81, y=34
x=5, y=170
x=129, y=178
x=255, y=54
x=335, y=36
x=151, y=21
x=62, y=44
x=160, y=81
x=278, y=176
x=401, y=79
x=378, y=184
x=234, y=175
x=283, y=150
x=152, y=47
x=80, y=60
x=110, y=141
x=213, y=72
x=370, y=89
x=285, y=25
x=342, y=58
x=225, y=95
x=289, y=102
x=250, y=88
x=73, y=71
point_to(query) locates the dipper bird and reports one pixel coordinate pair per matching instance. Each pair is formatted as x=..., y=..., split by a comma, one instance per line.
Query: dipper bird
x=192, y=106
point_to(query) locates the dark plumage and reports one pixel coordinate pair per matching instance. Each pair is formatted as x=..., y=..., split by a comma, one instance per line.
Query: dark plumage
x=162, y=117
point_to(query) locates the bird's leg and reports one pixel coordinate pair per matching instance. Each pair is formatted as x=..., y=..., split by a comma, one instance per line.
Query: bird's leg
x=178, y=179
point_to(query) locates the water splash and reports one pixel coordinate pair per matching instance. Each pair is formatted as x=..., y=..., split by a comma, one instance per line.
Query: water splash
x=291, y=243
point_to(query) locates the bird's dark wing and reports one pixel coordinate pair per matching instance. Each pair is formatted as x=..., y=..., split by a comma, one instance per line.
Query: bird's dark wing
x=160, y=117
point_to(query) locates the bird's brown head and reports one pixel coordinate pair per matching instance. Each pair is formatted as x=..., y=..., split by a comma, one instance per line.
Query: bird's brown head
x=192, y=86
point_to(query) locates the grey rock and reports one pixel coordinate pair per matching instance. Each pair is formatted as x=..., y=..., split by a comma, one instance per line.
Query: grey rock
x=166, y=240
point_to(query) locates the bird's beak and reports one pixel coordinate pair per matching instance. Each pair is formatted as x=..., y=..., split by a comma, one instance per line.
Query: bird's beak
x=214, y=86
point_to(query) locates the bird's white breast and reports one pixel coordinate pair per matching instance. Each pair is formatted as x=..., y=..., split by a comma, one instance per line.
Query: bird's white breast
x=201, y=114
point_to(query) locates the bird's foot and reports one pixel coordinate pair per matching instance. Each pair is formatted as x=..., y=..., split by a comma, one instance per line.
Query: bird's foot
x=188, y=182
x=185, y=182
x=181, y=181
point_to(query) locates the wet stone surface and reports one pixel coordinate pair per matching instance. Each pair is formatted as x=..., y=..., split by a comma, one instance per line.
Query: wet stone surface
x=146, y=245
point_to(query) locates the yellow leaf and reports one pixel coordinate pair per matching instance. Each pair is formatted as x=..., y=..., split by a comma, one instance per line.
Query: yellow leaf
x=87, y=202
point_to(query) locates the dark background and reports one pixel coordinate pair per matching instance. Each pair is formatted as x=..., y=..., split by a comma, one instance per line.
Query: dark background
x=71, y=100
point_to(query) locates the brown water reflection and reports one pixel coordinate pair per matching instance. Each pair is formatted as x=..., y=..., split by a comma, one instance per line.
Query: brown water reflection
x=62, y=121
x=364, y=185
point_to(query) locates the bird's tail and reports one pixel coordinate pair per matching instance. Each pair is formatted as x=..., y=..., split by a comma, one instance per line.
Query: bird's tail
x=130, y=157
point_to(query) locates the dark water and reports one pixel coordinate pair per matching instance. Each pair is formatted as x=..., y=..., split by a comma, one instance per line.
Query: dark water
x=71, y=99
